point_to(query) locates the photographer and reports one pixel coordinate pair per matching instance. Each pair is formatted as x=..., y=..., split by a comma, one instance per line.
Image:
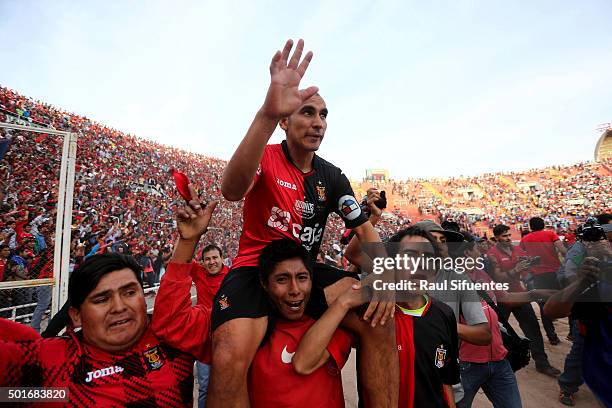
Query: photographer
x=587, y=299
x=508, y=262
x=571, y=378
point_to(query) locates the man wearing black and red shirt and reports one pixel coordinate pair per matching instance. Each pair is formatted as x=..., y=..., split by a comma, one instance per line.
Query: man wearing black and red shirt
x=508, y=262
x=115, y=359
x=289, y=191
x=546, y=245
x=425, y=329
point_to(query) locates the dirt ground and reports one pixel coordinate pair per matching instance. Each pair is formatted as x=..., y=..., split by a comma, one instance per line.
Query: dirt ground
x=537, y=390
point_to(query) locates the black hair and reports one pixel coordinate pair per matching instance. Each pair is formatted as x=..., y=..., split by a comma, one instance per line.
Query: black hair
x=278, y=251
x=500, y=229
x=212, y=247
x=604, y=218
x=458, y=249
x=412, y=231
x=86, y=277
x=2, y=246
x=536, y=224
x=450, y=226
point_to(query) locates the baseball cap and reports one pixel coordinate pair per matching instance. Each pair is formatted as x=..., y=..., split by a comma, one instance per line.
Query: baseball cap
x=430, y=226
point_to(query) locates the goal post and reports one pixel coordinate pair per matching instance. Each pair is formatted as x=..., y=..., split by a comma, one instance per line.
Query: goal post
x=63, y=218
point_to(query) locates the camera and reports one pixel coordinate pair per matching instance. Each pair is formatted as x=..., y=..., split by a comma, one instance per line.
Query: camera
x=591, y=231
x=380, y=203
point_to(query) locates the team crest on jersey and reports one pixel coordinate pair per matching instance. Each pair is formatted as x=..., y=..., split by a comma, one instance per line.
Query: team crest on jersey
x=440, y=356
x=321, y=192
x=154, y=358
x=223, y=302
x=279, y=219
x=348, y=207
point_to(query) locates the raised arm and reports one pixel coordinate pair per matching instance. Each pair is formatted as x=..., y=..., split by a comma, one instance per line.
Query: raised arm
x=175, y=320
x=282, y=99
x=560, y=304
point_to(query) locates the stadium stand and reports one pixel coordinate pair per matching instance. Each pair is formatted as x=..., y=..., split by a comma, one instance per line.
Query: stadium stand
x=125, y=196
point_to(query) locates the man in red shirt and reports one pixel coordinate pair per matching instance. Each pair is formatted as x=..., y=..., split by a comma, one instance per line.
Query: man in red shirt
x=209, y=274
x=546, y=246
x=507, y=266
x=285, y=371
x=115, y=359
x=281, y=375
x=289, y=192
x=5, y=252
x=207, y=277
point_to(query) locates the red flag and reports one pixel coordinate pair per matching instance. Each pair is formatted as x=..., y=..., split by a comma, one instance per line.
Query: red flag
x=182, y=183
x=40, y=138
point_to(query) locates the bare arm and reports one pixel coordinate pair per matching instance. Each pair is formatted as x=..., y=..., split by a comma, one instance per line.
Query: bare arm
x=282, y=99
x=450, y=395
x=238, y=175
x=514, y=299
x=479, y=334
x=312, y=351
x=561, y=303
x=382, y=305
x=560, y=248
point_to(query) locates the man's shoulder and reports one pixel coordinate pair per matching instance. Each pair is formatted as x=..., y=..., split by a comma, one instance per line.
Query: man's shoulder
x=441, y=308
x=538, y=236
x=322, y=164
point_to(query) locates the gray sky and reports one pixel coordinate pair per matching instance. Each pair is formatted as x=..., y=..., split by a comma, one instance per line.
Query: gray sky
x=437, y=88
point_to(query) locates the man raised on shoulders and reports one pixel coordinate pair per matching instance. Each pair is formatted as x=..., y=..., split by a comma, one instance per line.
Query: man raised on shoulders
x=289, y=192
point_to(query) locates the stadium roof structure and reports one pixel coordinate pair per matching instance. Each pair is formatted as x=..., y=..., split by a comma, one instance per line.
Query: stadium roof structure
x=603, y=149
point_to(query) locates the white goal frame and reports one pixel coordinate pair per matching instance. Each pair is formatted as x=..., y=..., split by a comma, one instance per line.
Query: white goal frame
x=63, y=220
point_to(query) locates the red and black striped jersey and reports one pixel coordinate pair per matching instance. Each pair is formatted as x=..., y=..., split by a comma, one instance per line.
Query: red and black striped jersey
x=150, y=374
x=428, y=349
x=284, y=202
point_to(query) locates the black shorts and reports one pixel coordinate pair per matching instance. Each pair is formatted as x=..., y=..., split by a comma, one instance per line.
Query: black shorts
x=241, y=294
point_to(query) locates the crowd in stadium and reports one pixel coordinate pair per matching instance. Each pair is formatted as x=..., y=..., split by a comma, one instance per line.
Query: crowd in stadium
x=126, y=202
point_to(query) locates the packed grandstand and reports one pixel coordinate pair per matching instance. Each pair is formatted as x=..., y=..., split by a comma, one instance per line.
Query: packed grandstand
x=126, y=201
x=133, y=202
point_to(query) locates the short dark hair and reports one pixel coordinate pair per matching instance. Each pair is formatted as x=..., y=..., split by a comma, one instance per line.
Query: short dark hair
x=211, y=247
x=500, y=229
x=536, y=224
x=413, y=231
x=278, y=251
x=2, y=246
x=86, y=277
x=604, y=218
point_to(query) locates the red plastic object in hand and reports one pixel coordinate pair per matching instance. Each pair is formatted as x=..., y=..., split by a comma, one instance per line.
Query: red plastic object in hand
x=182, y=184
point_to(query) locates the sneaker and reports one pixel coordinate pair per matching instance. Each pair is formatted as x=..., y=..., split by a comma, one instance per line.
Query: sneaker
x=567, y=398
x=554, y=341
x=548, y=370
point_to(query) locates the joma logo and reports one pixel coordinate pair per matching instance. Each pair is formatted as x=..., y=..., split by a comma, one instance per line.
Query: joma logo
x=103, y=372
x=286, y=184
